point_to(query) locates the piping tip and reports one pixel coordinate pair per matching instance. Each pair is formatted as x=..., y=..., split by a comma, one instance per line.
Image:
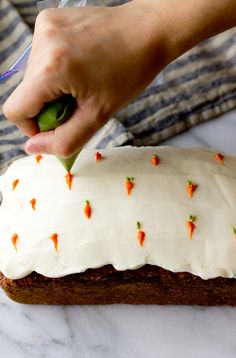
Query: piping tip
x=68, y=163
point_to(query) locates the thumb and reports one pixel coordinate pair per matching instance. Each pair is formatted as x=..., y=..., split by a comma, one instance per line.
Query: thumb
x=26, y=102
x=69, y=137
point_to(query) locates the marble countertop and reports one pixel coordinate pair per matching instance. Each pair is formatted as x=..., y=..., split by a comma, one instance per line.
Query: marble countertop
x=125, y=331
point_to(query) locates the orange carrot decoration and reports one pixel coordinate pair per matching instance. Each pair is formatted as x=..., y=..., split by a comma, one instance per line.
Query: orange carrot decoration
x=190, y=188
x=69, y=179
x=219, y=157
x=129, y=184
x=15, y=183
x=191, y=226
x=155, y=160
x=14, y=239
x=54, y=238
x=98, y=156
x=33, y=204
x=140, y=234
x=38, y=158
x=87, y=210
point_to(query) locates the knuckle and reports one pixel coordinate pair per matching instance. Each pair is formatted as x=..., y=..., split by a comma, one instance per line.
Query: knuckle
x=56, y=60
x=46, y=30
x=45, y=25
x=47, y=71
x=45, y=16
x=49, y=32
x=58, y=54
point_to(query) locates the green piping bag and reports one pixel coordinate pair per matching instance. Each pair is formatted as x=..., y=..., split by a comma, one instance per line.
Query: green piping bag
x=53, y=115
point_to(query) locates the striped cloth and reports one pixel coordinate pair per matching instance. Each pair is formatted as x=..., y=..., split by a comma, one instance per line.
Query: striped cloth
x=198, y=86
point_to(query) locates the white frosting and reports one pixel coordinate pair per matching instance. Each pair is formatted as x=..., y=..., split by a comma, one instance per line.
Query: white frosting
x=159, y=201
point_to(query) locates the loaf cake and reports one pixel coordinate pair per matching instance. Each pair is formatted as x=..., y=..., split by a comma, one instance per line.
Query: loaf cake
x=126, y=225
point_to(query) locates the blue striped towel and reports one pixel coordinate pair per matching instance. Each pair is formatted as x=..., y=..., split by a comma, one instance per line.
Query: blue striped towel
x=198, y=86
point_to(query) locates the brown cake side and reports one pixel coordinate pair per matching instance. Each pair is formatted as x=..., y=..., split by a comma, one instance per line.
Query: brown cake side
x=146, y=285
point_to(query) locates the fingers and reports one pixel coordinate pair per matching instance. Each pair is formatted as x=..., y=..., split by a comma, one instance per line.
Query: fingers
x=68, y=138
x=24, y=104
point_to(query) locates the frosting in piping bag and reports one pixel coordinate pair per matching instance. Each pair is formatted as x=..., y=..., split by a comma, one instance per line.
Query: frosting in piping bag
x=56, y=238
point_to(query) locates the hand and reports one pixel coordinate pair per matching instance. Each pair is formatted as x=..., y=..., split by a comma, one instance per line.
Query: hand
x=102, y=56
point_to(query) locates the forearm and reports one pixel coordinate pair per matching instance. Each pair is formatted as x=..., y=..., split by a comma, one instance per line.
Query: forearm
x=199, y=20
x=188, y=22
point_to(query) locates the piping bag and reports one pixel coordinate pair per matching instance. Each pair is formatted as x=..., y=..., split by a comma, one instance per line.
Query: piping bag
x=55, y=113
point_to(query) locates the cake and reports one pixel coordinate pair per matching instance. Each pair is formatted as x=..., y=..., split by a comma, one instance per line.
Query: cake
x=126, y=225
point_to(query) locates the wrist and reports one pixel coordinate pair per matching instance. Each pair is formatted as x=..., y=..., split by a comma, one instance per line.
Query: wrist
x=151, y=24
x=185, y=23
x=162, y=30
